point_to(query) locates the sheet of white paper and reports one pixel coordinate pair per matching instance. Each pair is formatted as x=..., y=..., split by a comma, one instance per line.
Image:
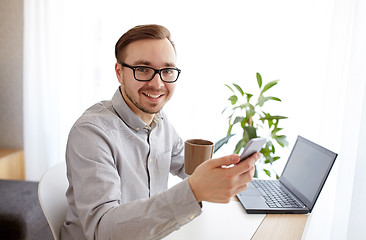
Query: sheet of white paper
x=220, y=221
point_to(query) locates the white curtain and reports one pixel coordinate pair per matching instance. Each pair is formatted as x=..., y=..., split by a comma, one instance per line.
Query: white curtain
x=41, y=83
x=351, y=185
x=66, y=69
x=339, y=210
x=315, y=48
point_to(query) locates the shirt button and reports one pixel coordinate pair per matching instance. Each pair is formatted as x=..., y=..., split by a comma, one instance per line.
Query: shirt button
x=191, y=217
x=137, y=128
x=150, y=160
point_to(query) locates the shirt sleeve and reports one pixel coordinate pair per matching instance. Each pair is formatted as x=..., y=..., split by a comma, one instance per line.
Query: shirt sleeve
x=152, y=218
x=95, y=194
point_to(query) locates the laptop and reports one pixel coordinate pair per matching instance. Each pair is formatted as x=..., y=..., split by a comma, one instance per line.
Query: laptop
x=299, y=185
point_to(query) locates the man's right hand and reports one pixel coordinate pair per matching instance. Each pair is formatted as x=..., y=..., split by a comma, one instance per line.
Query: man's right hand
x=213, y=183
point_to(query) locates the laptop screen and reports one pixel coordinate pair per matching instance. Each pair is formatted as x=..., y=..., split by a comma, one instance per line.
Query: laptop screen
x=307, y=169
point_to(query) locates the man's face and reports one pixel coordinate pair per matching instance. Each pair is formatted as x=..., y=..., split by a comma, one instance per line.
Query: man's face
x=146, y=98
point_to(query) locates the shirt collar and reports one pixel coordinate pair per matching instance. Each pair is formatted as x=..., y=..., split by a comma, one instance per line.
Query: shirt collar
x=129, y=117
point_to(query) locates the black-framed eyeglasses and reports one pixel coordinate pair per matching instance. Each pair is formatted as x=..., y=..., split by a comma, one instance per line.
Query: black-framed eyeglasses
x=145, y=74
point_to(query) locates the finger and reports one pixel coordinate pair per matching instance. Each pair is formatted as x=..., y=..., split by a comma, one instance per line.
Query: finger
x=246, y=177
x=244, y=180
x=246, y=164
x=224, y=161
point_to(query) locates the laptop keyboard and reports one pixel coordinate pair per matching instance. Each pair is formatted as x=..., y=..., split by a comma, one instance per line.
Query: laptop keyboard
x=275, y=196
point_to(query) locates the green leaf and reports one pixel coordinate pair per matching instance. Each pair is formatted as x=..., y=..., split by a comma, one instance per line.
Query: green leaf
x=274, y=98
x=239, y=89
x=249, y=96
x=270, y=123
x=275, y=131
x=262, y=100
x=239, y=145
x=269, y=85
x=259, y=80
x=268, y=160
x=267, y=172
x=281, y=140
x=271, y=160
x=229, y=88
x=272, y=148
x=269, y=117
x=268, y=149
x=238, y=119
x=265, y=151
x=250, y=132
x=221, y=142
x=233, y=99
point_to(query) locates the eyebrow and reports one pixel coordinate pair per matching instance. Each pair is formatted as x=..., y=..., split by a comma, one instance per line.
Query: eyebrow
x=147, y=63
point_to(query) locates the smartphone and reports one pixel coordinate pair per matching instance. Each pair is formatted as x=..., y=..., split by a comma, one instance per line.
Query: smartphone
x=253, y=146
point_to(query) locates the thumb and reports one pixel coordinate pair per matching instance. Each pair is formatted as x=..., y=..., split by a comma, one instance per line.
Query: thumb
x=225, y=161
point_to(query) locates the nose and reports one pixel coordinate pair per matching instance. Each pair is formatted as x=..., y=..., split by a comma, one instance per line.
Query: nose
x=156, y=81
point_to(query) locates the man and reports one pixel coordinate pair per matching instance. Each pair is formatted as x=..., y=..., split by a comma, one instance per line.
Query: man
x=120, y=152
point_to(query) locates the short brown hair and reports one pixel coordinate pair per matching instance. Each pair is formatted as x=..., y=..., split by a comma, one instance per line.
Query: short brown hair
x=151, y=31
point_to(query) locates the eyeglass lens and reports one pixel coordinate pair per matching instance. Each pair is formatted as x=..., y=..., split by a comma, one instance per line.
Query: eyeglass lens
x=166, y=74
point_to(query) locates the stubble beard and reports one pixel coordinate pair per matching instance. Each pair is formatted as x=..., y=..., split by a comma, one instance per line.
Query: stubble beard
x=144, y=109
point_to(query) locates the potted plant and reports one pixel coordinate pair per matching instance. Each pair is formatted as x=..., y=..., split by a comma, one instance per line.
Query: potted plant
x=254, y=122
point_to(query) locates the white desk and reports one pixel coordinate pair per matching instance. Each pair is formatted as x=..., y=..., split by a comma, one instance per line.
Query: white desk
x=230, y=221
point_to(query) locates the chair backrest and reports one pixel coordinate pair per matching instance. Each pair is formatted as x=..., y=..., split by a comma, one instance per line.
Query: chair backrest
x=51, y=194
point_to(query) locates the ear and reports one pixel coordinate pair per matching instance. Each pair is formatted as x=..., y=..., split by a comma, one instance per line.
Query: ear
x=118, y=69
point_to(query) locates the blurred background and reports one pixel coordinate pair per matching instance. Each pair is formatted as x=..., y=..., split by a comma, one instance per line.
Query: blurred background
x=57, y=59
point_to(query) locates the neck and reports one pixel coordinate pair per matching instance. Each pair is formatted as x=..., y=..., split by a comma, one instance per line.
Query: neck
x=146, y=118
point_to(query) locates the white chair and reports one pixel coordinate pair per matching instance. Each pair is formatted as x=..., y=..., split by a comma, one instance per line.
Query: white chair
x=51, y=195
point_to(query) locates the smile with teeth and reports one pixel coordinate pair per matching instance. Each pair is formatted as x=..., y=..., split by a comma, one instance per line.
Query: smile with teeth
x=152, y=95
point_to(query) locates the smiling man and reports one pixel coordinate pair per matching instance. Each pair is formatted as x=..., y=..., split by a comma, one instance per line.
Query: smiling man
x=120, y=153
